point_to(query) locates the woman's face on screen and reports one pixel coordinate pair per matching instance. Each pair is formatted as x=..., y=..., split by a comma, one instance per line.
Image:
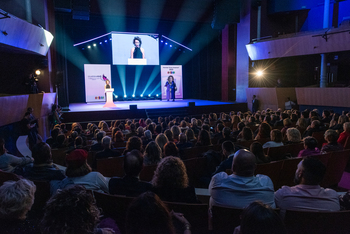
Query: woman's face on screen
x=107, y=81
x=137, y=43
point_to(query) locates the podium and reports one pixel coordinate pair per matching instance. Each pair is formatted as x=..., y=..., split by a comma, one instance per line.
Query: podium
x=137, y=61
x=109, y=101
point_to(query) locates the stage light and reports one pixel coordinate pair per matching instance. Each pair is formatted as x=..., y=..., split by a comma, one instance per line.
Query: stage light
x=141, y=95
x=133, y=95
x=161, y=41
x=149, y=95
x=116, y=96
x=260, y=73
x=125, y=96
x=94, y=44
x=166, y=43
x=89, y=47
x=106, y=41
x=101, y=43
x=110, y=39
x=171, y=45
x=37, y=72
x=157, y=95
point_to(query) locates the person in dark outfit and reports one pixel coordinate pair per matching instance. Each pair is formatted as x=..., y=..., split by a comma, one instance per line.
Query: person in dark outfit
x=255, y=104
x=137, y=52
x=130, y=185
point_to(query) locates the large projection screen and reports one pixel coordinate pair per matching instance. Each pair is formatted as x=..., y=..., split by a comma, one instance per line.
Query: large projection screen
x=122, y=43
x=95, y=76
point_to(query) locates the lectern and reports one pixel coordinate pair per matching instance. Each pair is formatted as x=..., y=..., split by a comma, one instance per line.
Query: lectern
x=109, y=101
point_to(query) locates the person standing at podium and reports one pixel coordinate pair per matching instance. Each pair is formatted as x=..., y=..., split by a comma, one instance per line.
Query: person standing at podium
x=171, y=88
x=137, y=52
x=107, y=86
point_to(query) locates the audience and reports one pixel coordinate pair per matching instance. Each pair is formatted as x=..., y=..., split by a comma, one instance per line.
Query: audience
x=153, y=154
x=242, y=187
x=345, y=134
x=107, y=151
x=257, y=149
x=133, y=143
x=170, y=149
x=276, y=139
x=293, y=136
x=228, y=152
x=310, y=147
x=307, y=194
x=331, y=136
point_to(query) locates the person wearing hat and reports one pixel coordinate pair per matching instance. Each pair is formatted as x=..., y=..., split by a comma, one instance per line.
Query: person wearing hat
x=79, y=172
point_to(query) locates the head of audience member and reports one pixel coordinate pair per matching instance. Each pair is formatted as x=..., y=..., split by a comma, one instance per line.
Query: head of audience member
x=170, y=149
x=132, y=128
x=287, y=122
x=276, y=135
x=190, y=135
x=182, y=138
x=240, y=126
x=206, y=127
x=267, y=119
x=264, y=130
x=147, y=214
x=169, y=134
x=73, y=135
x=257, y=149
x=204, y=138
x=310, y=171
x=150, y=128
x=55, y=132
x=331, y=136
x=134, y=142
x=228, y=148
x=16, y=199
x=346, y=127
x=170, y=173
x=76, y=162
x=244, y=163
x=247, y=134
x=176, y=132
x=315, y=124
x=133, y=163
x=148, y=135
x=236, y=119
x=326, y=114
x=259, y=218
x=153, y=154
x=100, y=135
x=71, y=210
x=96, y=132
x=161, y=140
x=226, y=133
x=118, y=136
x=106, y=142
x=41, y=153
x=293, y=135
x=158, y=129
x=219, y=127
x=2, y=146
x=61, y=138
x=310, y=143
x=78, y=142
x=342, y=119
x=302, y=123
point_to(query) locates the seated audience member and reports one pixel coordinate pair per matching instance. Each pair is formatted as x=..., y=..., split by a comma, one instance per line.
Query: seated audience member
x=310, y=147
x=228, y=151
x=119, y=137
x=176, y=132
x=170, y=149
x=170, y=182
x=71, y=139
x=279, y=123
x=237, y=133
x=73, y=210
x=80, y=173
x=203, y=138
x=130, y=185
x=226, y=136
x=293, y=136
x=43, y=168
x=169, y=135
x=287, y=123
x=98, y=146
x=345, y=134
x=257, y=149
x=52, y=139
x=246, y=134
x=60, y=142
x=133, y=143
x=242, y=187
x=132, y=132
x=107, y=152
x=183, y=143
x=153, y=154
x=260, y=218
x=183, y=126
x=147, y=138
x=16, y=199
x=276, y=139
x=301, y=125
x=219, y=129
x=264, y=131
x=326, y=117
x=190, y=136
x=148, y=214
x=331, y=136
x=307, y=194
x=314, y=127
x=340, y=123
x=161, y=140
x=9, y=162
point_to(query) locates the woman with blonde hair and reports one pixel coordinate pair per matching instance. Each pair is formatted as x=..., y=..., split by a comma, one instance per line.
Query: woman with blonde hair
x=161, y=140
x=293, y=136
x=170, y=181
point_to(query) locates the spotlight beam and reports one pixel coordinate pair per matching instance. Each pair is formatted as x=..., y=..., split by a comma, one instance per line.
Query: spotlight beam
x=121, y=72
x=153, y=75
x=138, y=73
x=150, y=15
x=155, y=88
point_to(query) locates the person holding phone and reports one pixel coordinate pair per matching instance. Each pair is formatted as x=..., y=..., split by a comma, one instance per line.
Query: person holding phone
x=171, y=88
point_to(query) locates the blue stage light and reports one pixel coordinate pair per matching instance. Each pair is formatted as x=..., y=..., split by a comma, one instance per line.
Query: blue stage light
x=133, y=95
x=125, y=96
x=166, y=43
x=157, y=95
x=149, y=95
x=171, y=45
x=94, y=44
x=141, y=95
x=106, y=41
x=89, y=47
x=101, y=43
x=110, y=39
x=161, y=41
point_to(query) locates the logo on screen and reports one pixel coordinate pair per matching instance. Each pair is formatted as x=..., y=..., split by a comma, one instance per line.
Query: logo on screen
x=171, y=72
x=99, y=97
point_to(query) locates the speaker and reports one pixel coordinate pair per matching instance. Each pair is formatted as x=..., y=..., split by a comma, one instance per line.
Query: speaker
x=133, y=107
x=226, y=12
x=191, y=104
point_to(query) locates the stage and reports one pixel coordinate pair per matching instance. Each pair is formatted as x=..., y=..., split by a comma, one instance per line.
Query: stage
x=84, y=112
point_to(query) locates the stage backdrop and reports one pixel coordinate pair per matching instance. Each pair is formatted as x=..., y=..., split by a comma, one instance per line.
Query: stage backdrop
x=176, y=72
x=95, y=80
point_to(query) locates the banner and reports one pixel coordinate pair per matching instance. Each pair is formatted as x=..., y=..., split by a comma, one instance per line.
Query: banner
x=95, y=80
x=176, y=72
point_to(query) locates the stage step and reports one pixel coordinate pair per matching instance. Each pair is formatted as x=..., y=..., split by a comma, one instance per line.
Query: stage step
x=155, y=113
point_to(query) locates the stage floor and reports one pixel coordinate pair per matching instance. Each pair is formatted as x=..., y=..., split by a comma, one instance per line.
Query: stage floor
x=142, y=104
